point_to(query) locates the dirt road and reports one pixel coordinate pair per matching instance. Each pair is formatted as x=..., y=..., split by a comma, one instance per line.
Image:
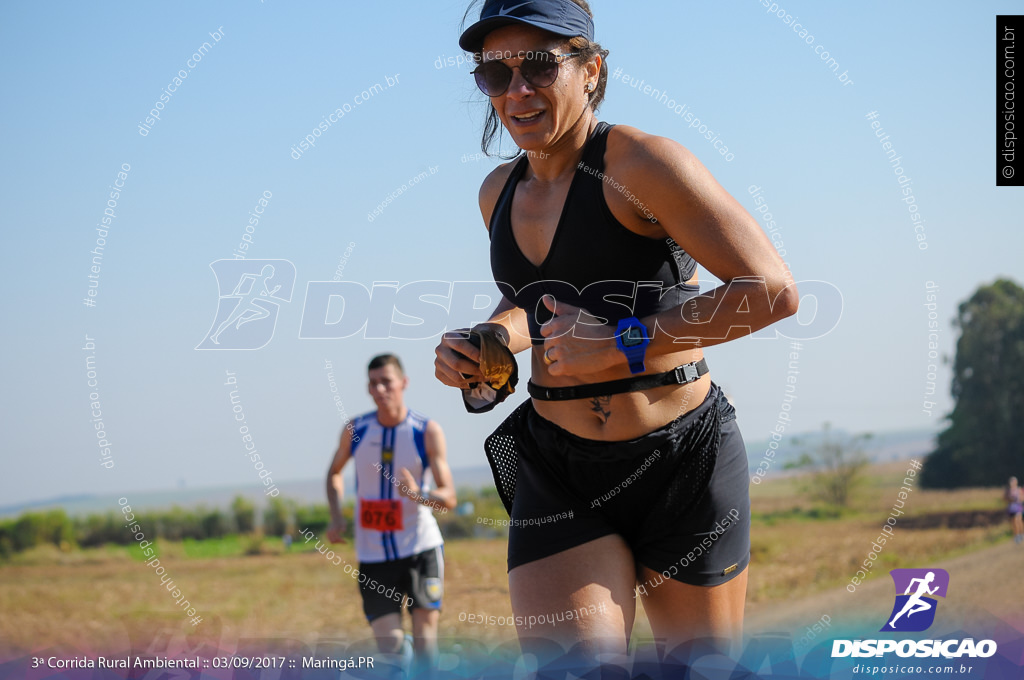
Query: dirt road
x=986, y=591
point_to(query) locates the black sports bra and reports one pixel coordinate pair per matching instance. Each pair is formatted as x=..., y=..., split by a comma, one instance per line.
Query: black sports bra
x=594, y=262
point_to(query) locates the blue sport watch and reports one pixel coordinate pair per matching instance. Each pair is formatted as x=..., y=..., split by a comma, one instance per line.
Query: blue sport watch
x=631, y=338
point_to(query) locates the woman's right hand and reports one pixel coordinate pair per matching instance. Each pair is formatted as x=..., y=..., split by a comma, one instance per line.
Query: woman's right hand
x=456, y=363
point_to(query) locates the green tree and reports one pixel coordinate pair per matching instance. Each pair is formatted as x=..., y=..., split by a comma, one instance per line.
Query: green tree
x=244, y=514
x=99, y=529
x=279, y=517
x=836, y=466
x=215, y=524
x=982, y=444
x=36, y=528
x=27, y=530
x=313, y=517
x=178, y=523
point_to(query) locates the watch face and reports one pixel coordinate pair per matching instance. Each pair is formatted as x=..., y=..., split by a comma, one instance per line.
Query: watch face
x=632, y=337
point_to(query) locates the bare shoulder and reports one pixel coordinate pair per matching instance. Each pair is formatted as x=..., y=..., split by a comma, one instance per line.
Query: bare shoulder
x=490, y=190
x=633, y=153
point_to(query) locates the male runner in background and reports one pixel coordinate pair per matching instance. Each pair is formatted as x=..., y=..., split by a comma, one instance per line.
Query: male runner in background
x=398, y=543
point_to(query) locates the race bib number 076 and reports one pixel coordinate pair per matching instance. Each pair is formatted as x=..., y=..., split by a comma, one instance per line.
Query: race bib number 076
x=383, y=515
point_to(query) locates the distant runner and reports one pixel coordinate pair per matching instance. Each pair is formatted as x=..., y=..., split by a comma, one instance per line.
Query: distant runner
x=1015, y=496
x=398, y=542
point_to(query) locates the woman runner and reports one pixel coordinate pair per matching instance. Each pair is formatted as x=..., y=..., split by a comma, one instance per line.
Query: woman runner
x=595, y=233
x=1015, y=498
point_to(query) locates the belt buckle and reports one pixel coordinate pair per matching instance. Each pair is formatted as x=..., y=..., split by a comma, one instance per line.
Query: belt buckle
x=689, y=372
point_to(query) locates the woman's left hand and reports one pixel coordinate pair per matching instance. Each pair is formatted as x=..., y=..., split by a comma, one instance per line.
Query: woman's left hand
x=575, y=343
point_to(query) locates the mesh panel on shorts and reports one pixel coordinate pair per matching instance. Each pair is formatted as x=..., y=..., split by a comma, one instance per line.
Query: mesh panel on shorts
x=502, y=451
x=691, y=474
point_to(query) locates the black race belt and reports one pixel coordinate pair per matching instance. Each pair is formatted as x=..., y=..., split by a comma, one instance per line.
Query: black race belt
x=680, y=375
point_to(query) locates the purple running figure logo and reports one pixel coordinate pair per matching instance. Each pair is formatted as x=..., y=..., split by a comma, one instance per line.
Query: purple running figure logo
x=914, y=610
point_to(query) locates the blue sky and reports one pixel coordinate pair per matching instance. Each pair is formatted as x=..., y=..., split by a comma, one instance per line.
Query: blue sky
x=80, y=80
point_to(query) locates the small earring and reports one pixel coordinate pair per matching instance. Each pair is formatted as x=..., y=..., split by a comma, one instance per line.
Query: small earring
x=590, y=87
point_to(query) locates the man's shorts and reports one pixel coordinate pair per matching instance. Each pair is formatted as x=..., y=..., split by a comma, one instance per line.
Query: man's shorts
x=419, y=577
x=678, y=496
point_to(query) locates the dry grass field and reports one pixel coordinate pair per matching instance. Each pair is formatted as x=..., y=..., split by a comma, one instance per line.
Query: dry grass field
x=93, y=600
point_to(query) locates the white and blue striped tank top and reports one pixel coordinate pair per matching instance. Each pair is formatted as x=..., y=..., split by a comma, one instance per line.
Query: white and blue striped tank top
x=380, y=453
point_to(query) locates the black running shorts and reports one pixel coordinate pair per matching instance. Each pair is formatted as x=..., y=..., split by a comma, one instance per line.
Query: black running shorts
x=679, y=496
x=420, y=578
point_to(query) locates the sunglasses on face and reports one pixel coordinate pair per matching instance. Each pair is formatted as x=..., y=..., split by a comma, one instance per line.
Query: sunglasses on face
x=539, y=69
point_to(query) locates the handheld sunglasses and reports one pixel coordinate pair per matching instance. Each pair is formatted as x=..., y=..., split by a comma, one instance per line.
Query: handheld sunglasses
x=539, y=69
